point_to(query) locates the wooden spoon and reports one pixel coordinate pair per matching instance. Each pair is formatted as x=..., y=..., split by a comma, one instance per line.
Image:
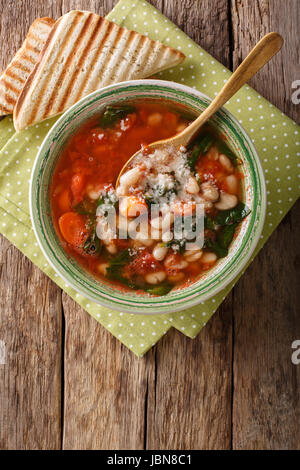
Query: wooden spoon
x=264, y=50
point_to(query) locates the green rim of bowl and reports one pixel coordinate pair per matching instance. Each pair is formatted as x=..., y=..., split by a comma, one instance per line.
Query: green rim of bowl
x=107, y=295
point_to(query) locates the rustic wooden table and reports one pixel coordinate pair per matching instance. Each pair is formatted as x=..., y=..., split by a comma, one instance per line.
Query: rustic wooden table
x=70, y=384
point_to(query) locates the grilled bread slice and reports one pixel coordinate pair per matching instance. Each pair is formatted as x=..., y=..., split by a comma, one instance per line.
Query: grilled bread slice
x=16, y=73
x=85, y=52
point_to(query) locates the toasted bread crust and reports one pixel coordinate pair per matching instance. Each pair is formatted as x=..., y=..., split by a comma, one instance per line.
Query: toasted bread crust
x=16, y=73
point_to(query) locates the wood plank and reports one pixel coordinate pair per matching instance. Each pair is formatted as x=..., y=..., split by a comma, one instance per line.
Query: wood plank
x=266, y=399
x=30, y=306
x=189, y=401
x=14, y=23
x=203, y=21
x=251, y=19
x=101, y=8
x=30, y=381
x=105, y=386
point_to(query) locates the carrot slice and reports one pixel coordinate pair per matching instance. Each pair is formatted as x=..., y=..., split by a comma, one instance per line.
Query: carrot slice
x=73, y=229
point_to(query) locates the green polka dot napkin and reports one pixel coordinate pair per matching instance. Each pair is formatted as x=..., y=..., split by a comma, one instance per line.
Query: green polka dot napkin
x=276, y=138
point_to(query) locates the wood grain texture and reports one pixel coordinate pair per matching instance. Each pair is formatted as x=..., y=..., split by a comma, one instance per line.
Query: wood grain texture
x=105, y=387
x=266, y=400
x=251, y=19
x=30, y=381
x=189, y=401
x=203, y=21
x=100, y=7
x=15, y=19
x=30, y=305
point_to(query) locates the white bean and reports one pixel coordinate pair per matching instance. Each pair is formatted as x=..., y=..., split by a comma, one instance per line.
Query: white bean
x=210, y=192
x=154, y=119
x=209, y=258
x=176, y=277
x=192, y=186
x=102, y=268
x=227, y=201
x=208, y=205
x=92, y=194
x=225, y=162
x=159, y=251
x=167, y=221
x=144, y=234
x=191, y=256
x=171, y=263
x=231, y=184
x=155, y=278
x=130, y=177
x=167, y=236
x=122, y=190
x=143, y=240
x=213, y=153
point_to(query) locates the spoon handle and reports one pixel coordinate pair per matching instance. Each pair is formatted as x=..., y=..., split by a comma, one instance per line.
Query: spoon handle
x=264, y=50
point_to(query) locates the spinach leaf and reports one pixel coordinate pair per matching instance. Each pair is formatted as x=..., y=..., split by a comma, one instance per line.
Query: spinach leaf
x=113, y=113
x=179, y=245
x=163, y=289
x=222, y=147
x=121, y=260
x=86, y=207
x=225, y=235
x=116, y=265
x=232, y=216
x=208, y=223
x=200, y=147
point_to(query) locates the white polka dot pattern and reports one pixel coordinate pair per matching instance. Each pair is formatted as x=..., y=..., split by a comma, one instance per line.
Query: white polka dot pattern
x=276, y=138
